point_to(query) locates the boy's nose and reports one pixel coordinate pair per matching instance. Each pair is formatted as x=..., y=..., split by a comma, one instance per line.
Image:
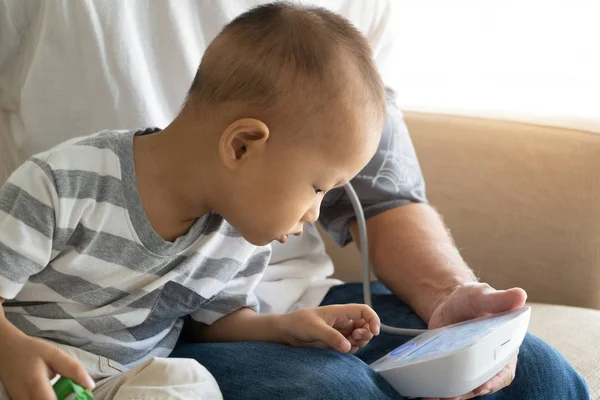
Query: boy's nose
x=312, y=215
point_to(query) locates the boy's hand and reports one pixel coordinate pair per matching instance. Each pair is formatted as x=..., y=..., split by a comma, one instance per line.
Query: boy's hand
x=27, y=364
x=344, y=327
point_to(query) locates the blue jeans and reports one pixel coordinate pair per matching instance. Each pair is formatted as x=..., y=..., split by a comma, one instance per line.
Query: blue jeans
x=274, y=371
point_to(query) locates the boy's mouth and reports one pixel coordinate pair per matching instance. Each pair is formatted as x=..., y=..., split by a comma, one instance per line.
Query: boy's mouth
x=284, y=238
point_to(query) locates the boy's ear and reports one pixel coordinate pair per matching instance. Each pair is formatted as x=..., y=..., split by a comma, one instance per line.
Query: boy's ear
x=241, y=139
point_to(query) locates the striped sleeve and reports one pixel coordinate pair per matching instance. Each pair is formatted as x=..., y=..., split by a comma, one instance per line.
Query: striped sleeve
x=238, y=292
x=27, y=220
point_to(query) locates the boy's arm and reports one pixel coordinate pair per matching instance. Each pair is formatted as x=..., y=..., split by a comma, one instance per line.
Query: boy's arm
x=27, y=221
x=243, y=325
x=344, y=327
x=238, y=292
x=28, y=203
x=232, y=316
x=26, y=362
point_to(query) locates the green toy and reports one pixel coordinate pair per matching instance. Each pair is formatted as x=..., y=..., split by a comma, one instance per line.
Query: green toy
x=66, y=389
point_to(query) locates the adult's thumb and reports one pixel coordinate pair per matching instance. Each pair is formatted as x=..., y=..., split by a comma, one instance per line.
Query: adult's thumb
x=490, y=301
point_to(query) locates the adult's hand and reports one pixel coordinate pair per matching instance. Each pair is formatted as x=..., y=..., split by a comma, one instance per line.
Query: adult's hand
x=472, y=300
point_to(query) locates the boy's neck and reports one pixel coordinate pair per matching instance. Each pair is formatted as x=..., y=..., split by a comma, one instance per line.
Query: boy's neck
x=171, y=198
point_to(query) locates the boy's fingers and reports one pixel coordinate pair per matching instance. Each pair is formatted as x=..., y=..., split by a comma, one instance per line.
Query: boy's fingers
x=358, y=323
x=356, y=312
x=334, y=338
x=345, y=324
x=38, y=387
x=64, y=365
x=362, y=334
x=346, y=327
x=42, y=390
x=375, y=325
x=359, y=344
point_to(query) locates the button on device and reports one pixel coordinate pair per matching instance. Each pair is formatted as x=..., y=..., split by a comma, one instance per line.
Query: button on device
x=500, y=352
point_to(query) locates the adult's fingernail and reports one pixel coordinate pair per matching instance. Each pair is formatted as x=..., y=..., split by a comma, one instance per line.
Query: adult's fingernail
x=483, y=392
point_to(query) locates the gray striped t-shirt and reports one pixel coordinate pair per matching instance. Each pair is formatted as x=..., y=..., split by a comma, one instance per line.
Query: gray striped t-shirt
x=81, y=265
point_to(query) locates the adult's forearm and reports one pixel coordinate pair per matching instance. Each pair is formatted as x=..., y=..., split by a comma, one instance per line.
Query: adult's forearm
x=415, y=257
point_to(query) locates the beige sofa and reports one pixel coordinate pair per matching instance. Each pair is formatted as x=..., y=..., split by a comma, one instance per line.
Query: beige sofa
x=523, y=204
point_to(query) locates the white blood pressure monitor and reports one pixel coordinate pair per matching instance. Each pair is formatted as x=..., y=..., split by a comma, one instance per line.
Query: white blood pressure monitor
x=455, y=359
x=448, y=361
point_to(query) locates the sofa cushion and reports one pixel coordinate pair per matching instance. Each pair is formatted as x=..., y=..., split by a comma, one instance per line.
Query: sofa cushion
x=575, y=333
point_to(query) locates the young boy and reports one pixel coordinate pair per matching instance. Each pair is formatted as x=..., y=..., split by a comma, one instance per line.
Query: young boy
x=108, y=241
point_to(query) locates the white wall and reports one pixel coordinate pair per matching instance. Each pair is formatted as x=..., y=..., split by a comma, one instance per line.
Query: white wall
x=527, y=60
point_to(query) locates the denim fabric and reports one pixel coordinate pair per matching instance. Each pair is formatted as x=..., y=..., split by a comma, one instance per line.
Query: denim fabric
x=273, y=371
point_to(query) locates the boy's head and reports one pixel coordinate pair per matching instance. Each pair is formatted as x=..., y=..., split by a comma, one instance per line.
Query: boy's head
x=289, y=104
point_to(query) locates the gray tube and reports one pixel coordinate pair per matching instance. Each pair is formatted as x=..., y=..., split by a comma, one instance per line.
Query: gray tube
x=366, y=264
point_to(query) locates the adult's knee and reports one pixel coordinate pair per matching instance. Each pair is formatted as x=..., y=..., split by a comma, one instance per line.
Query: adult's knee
x=267, y=370
x=343, y=376
x=543, y=373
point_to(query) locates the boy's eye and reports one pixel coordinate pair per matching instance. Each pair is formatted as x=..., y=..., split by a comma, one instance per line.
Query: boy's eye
x=317, y=190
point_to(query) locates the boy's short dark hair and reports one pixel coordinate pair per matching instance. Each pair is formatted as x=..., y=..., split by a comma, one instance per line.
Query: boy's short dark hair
x=274, y=49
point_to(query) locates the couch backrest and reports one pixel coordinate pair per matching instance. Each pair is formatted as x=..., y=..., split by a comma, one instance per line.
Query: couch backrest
x=522, y=202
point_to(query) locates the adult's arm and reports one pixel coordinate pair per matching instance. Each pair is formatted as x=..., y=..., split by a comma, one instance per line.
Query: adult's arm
x=413, y=254
x=411, y=250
